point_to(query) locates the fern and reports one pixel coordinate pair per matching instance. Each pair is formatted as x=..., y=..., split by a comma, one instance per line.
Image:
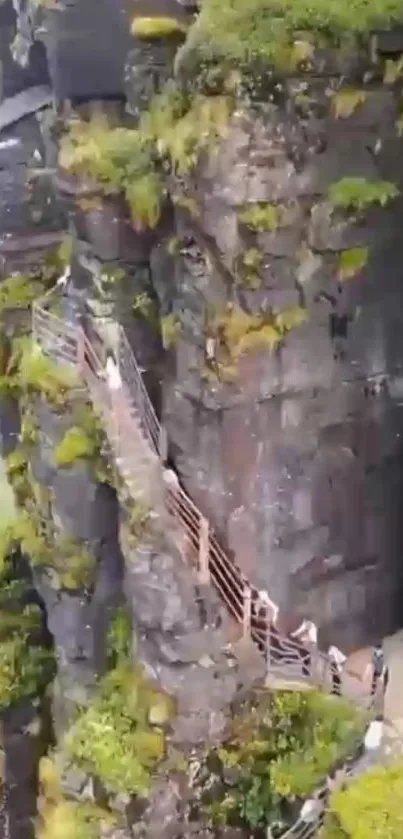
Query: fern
x=359, y=194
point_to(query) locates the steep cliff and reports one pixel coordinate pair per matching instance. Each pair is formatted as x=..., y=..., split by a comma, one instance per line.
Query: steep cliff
x=230, y=187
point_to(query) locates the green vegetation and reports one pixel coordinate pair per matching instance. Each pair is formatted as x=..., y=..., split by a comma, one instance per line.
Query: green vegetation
x=238, y=332
x=76, y=444
x=25, y=666
x=150, y=28
x=119, y=160
x=182, y=127
x=351, y=262
x=119, y=641
x=68, y=562
x=120, y=738
x=278, y=747
x=346, y=101
x=171, y=328
x=273, y=32
x=63, y=818
x=262, y=217
x=358, y=194
x=370, y=806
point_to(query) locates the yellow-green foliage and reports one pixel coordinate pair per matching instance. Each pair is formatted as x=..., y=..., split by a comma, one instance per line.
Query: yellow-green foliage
x=119, y=160
x=18, y=291
x=277, y=747
x=370, y=806
x=351, y=262
x=358, y=194
x=170, y=330
x=75, y=444
x=38, y=374
x=25, y=667
x=262, y=217
x=120, y=738
x=184, y=128
x=346, y=101
x=62, y=818
x=238, y=332
x=67, y=561
x=150, y=28
x=268, y=30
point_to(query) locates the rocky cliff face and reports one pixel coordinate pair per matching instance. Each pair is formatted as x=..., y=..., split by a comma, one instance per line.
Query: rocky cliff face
x=292, y=448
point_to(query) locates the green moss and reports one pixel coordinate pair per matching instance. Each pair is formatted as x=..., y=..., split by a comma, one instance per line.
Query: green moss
x=171, y=328
x=150, y=28
x=183, y=127
x=351, y=262
x=37, y=374
x=238, y=332
x=269, y=31
x=358, y=194
x=75, y=445
x=278, y=747
x=262, y=217
x=62, y=818
x=119, y=640
x=119, y=160
x=120, y=738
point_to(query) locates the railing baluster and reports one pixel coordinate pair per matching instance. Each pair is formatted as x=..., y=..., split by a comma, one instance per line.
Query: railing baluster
x=247, y=609
x=204, y=572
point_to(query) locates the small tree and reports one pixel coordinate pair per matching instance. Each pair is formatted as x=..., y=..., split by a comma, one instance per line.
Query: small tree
x=371, y=806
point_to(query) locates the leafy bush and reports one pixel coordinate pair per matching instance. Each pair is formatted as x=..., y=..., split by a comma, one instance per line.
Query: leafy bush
x=371, y=805
x=156, y=27
x=24, y=669
x=119, y=160
x=18, y=291
x=359, y=194
x=74, y=445
x=278, y=747
x=120, y=738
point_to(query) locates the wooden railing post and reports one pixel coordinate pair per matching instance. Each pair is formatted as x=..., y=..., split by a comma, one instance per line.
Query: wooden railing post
x=247, y=610
x=204, y=572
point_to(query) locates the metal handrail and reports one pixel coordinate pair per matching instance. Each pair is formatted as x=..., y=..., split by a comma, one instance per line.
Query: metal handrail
x=198, y=542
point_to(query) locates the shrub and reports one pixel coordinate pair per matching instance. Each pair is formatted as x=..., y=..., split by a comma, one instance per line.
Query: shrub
x=371, y=805
x=358, y=194
x=156, y=27
x=75, y=445
x=120, y=737
x=72, y=566
x=24, y=669
x=38, y=374
x=278, y=747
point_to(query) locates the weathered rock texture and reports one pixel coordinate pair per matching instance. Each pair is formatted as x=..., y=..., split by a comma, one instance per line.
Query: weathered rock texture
x=298, y=463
